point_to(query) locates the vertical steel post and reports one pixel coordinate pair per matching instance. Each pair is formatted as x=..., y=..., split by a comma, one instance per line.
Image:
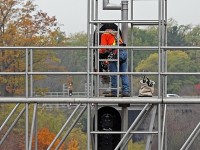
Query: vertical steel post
x=132, y=52
x=26, y=104
x=88, y=75
x=124, y=16
x=159, y=70
x=34, y=119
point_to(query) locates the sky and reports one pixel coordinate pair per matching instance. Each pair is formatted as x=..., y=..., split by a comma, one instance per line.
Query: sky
x=72, y=14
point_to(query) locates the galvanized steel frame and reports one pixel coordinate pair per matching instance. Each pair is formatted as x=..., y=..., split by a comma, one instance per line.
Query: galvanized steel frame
x=147, y=103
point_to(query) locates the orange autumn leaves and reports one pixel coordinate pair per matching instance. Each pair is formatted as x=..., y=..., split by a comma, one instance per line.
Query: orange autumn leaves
x=23, y=25
x=45, y=137
x=72, y=145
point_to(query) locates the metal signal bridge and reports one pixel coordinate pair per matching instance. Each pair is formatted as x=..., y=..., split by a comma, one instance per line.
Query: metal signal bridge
x=151, y=110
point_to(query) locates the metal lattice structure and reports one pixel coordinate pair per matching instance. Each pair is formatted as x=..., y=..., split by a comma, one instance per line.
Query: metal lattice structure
x=155, y=108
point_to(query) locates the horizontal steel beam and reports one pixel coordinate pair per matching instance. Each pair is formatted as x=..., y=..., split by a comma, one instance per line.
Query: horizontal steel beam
x=95, y=47
x=44, y=48
x=99, y=73
x=134, y=22
x=111, y=100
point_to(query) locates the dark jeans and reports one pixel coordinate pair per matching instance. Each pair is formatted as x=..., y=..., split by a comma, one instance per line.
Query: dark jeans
x=122, y=68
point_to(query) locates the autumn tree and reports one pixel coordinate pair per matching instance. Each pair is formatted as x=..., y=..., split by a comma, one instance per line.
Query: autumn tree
x=192, y=37
x=76, y=139
x=142, y=37
x=197, y=88
x=176, y=34
x=21, y=24
x=136, y=145
x=73, y=145
x=177, y=61
x=45, y=137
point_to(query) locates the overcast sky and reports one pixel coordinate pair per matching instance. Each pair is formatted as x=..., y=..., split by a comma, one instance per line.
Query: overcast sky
x=72, y=14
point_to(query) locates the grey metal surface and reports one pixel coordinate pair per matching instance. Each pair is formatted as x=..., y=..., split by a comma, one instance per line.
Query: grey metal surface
x=93, y=21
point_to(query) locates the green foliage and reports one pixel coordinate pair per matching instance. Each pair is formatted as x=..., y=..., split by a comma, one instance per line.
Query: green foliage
x=6, y=109
x=75, y=60
x=192, y=37
x=53, y=120
x=177, y=61
x=79, y=136
x=78, y=39
x=148, y=65
x=176, y=34
x=142, y=37
x=136, y=145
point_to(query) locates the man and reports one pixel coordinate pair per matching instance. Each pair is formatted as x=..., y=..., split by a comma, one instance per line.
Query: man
x=109, y=37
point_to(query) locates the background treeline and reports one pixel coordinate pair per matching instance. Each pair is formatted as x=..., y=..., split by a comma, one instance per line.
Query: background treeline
x=21, y=24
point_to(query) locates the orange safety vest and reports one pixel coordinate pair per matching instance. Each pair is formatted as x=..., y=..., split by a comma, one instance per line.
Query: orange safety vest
x=108, y=39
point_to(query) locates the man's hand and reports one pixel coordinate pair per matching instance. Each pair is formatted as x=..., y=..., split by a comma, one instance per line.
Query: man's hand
x=103, y=55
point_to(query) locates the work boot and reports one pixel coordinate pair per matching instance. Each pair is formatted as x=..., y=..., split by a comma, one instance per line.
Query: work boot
x=125, y=95
x=111, y=95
